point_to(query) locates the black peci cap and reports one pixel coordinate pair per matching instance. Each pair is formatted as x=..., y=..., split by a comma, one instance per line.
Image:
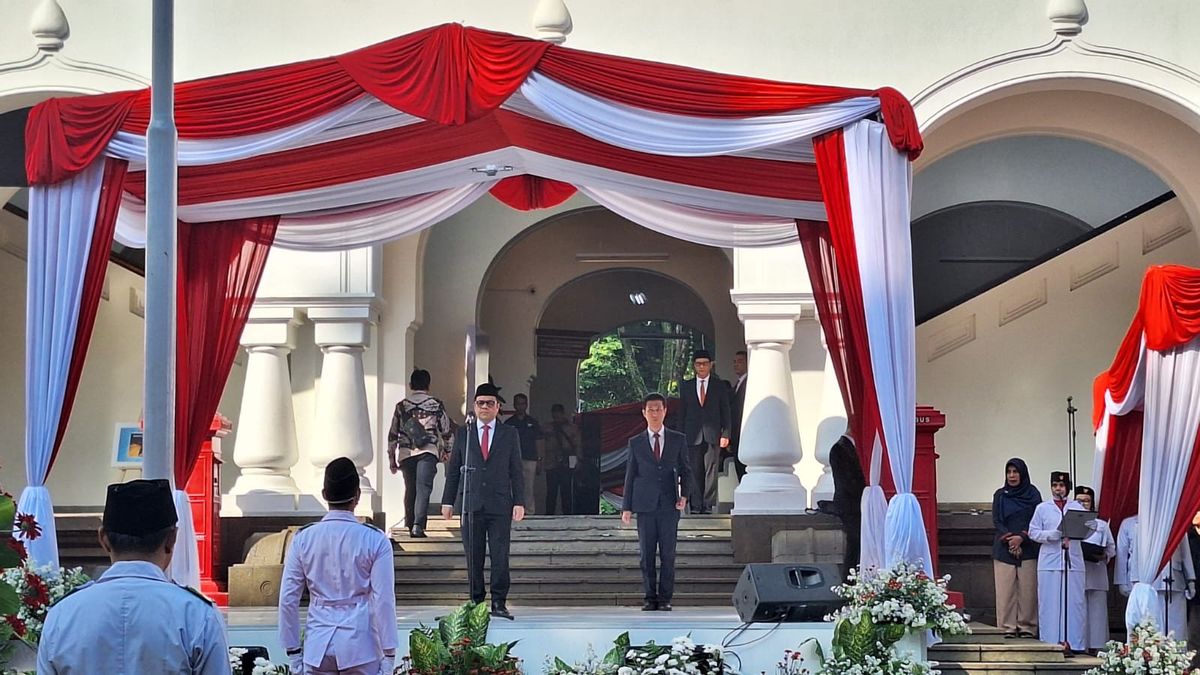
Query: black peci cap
x=487, y=389
x=341, y=481
x=701, y=354
x=1060, y=477
x=139, y=507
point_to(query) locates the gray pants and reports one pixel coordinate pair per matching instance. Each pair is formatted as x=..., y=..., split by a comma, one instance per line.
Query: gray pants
x=705, y=465
x=329, y=667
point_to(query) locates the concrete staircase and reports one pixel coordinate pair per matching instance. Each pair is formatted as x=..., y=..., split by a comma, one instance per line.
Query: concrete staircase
x=570, y=561
x=987, y=652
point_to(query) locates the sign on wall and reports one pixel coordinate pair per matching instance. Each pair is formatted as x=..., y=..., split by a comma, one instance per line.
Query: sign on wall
x=563, y=344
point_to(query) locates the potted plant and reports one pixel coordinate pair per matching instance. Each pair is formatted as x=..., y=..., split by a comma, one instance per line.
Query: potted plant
x=458, y=646
x=1146, y=652
x=681, y=657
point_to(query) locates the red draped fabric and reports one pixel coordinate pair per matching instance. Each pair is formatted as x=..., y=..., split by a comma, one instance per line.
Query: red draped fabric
x=1189, y=504
x=93, y=284
x=1122, y=469
x=447, y=75
x=528, y=192
x=840, y=306
x=220, y=266
x=1169, y=306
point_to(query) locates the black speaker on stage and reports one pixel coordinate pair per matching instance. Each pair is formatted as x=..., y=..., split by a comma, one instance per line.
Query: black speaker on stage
x=786, y=592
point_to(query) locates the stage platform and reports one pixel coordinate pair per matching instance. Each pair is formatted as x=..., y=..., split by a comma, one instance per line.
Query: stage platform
x=566, y=632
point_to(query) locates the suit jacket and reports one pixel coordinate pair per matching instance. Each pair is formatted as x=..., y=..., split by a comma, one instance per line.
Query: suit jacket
x=708, y=423
x=737, y=406
x=655, y=485
x=497, y=484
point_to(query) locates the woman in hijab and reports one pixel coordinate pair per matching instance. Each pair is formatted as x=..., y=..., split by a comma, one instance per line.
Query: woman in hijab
x=1014, y=554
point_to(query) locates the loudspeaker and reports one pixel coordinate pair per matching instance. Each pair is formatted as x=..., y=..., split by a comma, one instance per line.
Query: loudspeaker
x=786, y=592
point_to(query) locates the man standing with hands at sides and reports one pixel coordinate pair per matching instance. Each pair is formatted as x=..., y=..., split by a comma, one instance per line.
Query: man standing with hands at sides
x=737, y=406
x=493, y=494
x=348, y=569
x=1098, y=549
x=705, y=428
x=654, y=473
x=133, y=619
x=1061, y=574
x=532, y=449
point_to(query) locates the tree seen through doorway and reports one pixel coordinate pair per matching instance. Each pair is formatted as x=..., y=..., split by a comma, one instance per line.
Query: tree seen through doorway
x=632, y=360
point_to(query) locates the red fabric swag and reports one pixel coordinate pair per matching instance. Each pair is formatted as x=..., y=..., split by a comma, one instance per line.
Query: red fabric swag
x=842, y=312
x=220, y=266
x=448, y=74
x=1170, y=306
x=528, y=193
x=93, y=284
x=1122, y=469
x=63, y=136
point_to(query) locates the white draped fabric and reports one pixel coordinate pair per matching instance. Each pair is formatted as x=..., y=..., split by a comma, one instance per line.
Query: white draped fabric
x=878, y=178
x=684, y=136
x=60, y=236
x=185, y=564
x=1172, y=417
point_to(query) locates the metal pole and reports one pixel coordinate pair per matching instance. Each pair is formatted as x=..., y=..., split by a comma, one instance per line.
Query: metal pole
x=161, y=188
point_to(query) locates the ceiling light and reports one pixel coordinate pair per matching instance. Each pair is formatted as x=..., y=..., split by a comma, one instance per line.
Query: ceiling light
x=637, y=298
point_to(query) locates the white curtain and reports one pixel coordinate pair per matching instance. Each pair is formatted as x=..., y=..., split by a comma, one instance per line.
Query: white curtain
x=185, y=564
x=1172, y=417
x=879, y=177
x=699, y=226
x=61, y=220
x=872, y=553
x=683, y=135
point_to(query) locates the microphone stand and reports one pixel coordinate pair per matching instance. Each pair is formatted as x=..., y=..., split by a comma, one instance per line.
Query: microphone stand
x=465, y=471
x=1071, y=467
x=1071, y=461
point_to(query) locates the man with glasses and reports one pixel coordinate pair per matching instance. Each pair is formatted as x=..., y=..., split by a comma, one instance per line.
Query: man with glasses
x=706, y=424
x=491, y=497
x=1061, y=574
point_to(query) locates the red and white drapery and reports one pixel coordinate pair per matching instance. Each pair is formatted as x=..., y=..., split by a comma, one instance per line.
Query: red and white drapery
x=370, y=146
x=1146, y=415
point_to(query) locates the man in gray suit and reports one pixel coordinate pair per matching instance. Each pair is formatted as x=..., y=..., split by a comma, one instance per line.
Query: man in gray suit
x=654, y=473
x=706, y=424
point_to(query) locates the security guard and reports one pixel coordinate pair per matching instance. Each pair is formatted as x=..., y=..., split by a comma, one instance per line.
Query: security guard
x=133, y=620
x=348, y=569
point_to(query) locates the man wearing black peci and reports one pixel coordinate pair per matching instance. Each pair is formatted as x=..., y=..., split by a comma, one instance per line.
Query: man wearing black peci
x=492, y=496
x=706, y=429
x=655, y=472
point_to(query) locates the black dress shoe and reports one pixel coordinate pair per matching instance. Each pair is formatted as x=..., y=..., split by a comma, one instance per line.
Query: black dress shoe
x=501, y=612
x=664, y=606
x=418, y=532
x=650, y=607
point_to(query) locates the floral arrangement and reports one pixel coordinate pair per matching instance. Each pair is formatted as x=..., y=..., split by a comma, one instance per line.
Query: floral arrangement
x=681, y=657
x=1147, y=651
x=458, y=646
x=904, y=595
x=259, y=666
x=38, y=588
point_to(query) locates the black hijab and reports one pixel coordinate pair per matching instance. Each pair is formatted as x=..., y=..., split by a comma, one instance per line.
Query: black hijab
x=1023, y=497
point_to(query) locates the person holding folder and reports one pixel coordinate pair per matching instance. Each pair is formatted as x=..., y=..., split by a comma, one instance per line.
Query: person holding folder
x=1062, y=606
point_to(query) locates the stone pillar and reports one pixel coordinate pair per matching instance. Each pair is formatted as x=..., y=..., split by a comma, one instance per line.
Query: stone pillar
x=829, y=429
x=770, y=442
x=342, y=421
x=266, y=440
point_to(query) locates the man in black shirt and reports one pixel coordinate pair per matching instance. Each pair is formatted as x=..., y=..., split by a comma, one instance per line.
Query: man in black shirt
x=531, y=445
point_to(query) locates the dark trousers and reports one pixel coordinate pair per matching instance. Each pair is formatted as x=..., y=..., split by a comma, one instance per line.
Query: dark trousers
x=657, y=534
x=558, y=486
x=706, y=460
x=418, y=472
x=485, y=533
x=852, y=528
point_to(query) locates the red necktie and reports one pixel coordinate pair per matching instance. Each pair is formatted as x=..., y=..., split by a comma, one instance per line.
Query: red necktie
x=485, y=446
x=703, y=390
x=657, y=449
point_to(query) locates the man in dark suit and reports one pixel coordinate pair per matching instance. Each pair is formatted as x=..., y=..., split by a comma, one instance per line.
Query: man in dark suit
x=737, y=405
x=492, y=496
x=706, y=428
x=654, y=473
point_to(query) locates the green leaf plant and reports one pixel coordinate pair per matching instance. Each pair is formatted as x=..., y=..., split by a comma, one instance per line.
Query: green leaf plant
x=459, y=646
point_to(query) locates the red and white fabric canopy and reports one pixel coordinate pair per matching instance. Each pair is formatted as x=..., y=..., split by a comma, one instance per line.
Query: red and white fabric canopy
x=1146, y=413
x=366, y=147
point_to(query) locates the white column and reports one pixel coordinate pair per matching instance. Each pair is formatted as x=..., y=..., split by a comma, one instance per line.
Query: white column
x=266, y=442
x=830, y=428
x=342, y=421
x=770, y=442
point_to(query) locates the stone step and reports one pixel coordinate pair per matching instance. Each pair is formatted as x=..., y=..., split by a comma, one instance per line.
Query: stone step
x=627, y=598
x=523, y=586
x=526, y=547
x=586, y=570
x=572, y=534
x=566, y=522
x=574, y=560
x=1075, y=666
x=1009, y=651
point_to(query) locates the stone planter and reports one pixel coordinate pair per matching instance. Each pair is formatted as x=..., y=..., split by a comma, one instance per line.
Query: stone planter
x=23, y=658
x=914, y=644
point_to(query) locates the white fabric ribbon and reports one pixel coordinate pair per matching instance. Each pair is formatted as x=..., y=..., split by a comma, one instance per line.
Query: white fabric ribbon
x=185, y=564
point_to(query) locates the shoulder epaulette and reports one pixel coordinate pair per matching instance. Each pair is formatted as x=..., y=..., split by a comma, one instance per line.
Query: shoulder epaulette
x=373, y=526
x=308, y=525
x=207, y=600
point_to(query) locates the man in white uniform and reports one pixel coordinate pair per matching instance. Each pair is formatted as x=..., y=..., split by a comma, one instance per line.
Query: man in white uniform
x=1175, y=585
x=1061, y=574
x=348, y=569
x=1098, y=549
x=133, y=620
